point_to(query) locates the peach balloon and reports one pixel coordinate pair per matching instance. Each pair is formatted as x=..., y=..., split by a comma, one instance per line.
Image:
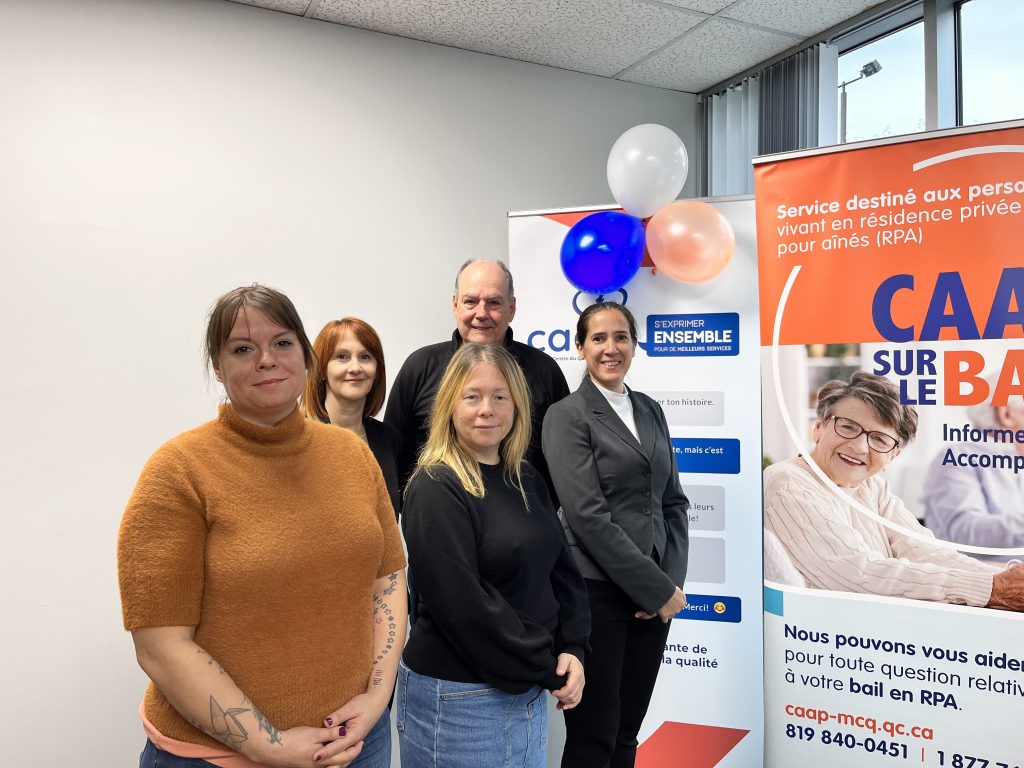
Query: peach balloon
x=690, y=241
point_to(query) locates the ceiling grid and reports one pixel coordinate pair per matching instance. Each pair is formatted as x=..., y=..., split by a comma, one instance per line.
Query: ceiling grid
x=682, y=45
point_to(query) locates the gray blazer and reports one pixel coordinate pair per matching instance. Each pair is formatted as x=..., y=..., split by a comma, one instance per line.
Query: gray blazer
x=623, y=509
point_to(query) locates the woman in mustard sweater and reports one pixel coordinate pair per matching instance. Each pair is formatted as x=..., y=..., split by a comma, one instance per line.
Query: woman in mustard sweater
x=260, y=567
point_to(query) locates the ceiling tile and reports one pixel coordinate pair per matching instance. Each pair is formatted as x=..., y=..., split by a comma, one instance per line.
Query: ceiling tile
x=592, y=36
x=800, y=17
x=704, y=6
x=707, y=55
x=298, y=7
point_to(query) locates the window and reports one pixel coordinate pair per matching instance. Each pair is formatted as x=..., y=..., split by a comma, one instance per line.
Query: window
x=913, y=66
x=889, y=100
x=991, y=60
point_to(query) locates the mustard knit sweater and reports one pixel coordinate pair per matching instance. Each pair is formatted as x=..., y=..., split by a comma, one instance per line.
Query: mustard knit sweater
x=268, y=541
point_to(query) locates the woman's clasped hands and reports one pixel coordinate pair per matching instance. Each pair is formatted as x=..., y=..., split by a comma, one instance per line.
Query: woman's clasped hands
x=336, y=745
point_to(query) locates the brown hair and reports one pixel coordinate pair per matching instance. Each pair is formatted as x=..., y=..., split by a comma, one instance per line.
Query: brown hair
x=583, y=324
x=313, y=396
x=878, y=392
x=269, y=300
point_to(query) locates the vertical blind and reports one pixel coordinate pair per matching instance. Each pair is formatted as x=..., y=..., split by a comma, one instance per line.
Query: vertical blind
x=774, y=110
x=789, y=111
x=731, y=139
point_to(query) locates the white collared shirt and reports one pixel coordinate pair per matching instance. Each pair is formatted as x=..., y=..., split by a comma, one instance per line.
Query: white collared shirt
x=622, y=406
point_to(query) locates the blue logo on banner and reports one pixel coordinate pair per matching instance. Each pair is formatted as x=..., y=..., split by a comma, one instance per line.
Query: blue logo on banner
x=707, y=454
x=715, y=333
x=712, y=608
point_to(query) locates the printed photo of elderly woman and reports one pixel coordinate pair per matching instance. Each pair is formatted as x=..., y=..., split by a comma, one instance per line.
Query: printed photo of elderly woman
x=860, y=428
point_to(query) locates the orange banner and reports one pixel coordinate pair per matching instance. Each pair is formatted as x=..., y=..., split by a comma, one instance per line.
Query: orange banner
x=913, y=241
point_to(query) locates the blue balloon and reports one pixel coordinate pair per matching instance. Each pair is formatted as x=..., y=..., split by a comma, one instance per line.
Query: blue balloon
x=603, y=252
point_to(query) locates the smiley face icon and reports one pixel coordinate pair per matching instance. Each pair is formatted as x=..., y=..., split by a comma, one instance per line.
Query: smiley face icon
x=719, y=607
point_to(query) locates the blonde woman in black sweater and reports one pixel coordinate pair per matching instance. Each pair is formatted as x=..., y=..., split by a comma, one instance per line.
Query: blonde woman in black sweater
x=502, y=606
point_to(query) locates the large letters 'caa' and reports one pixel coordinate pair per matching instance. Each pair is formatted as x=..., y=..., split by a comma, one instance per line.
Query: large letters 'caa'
x=1007, y=308
x=964, y=381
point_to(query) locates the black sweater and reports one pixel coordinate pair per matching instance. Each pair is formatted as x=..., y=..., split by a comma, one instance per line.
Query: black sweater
x=412, y=397
x=500, y=595
x=386, y=445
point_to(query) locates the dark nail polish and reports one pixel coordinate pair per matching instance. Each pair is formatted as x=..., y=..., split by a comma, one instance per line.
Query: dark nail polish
x=329, y=721
x=342, y=731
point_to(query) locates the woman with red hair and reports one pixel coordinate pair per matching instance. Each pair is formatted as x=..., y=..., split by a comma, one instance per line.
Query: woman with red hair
x=346, y=387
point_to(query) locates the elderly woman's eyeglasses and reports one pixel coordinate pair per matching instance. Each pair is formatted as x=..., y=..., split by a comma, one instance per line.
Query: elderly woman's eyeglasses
x=850, y=429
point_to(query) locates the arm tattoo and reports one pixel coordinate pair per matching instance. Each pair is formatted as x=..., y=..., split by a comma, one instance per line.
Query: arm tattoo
x=224, y=725
x=209, y=661
x=382, y=612
x=392, y=584
x=273, y=734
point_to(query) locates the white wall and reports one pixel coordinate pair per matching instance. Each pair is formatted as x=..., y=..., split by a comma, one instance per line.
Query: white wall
x=155, y=154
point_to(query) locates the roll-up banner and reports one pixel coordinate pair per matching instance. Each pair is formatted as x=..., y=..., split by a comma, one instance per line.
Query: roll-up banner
x=698, y=356
x=894, y=499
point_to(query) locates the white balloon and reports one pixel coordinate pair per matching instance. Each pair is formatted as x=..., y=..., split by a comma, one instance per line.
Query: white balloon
x=646, y=169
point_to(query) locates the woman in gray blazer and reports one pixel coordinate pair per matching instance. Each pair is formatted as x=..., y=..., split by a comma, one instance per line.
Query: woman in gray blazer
x=625, y=516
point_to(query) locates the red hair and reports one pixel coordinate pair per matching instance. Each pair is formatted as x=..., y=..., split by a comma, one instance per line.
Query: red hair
x=315, y=393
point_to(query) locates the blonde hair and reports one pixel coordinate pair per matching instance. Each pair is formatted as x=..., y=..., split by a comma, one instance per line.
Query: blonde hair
x=443, y=447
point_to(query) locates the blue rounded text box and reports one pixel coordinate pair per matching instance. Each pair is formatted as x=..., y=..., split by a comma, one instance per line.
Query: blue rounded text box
x=707, y=454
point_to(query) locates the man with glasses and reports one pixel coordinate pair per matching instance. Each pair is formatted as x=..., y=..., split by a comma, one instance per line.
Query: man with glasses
x=483, y=304
x=829, y=509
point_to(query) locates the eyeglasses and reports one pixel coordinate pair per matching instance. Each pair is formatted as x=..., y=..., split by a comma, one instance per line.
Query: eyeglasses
x=879, y=442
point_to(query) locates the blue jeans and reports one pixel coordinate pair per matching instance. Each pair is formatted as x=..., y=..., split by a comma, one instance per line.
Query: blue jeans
x=154, y=757
x=443, y=724
x=376, y=751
